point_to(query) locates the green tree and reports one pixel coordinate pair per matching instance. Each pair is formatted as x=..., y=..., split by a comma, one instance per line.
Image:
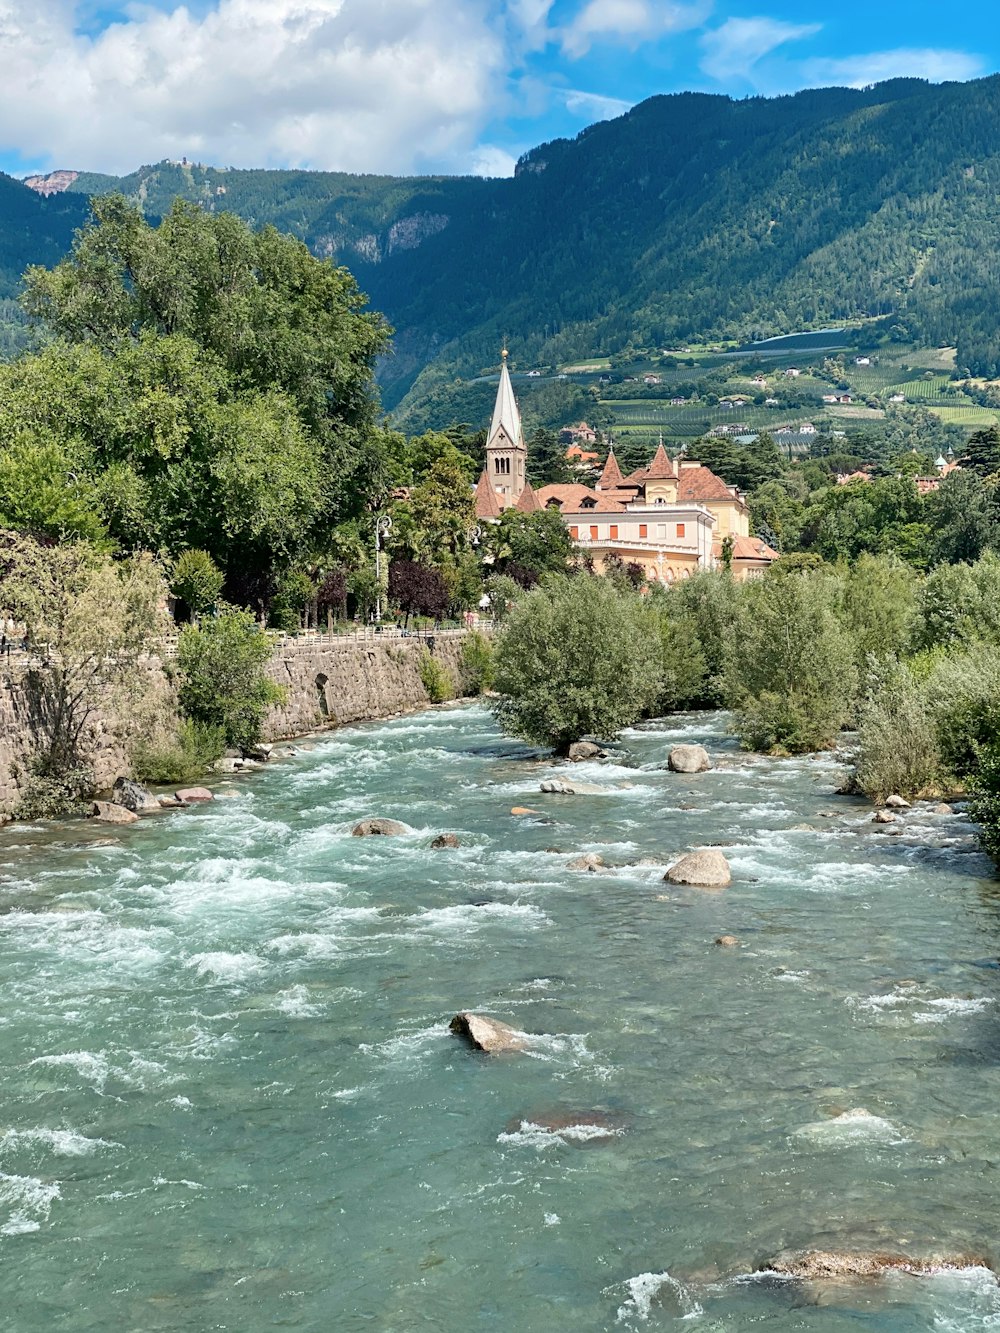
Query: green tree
x=197, y=581
x=538, y=542
x=790, y=673
x=575, y=658
x=965, y=518
x=982, y=454
x=224, y=661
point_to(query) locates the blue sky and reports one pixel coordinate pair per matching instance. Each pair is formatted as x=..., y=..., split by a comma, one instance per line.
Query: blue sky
x=422, y=85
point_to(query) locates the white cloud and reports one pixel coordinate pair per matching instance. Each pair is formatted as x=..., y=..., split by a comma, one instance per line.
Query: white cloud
x=631, y=21
x=732, y=50
x=357, y=85
x=491, y=160
x=594, y=106
x=860, y=71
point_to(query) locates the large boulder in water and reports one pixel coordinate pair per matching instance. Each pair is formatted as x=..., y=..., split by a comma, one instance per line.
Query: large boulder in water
x=108, y=812
x=702, y=870
x=582, y=750
x=588, y=861
x=134, y=796
x=813, y=1265
x=378, y=828
x=443, y=841
x=689, y=759
x=487, y=1034
x=189, y=794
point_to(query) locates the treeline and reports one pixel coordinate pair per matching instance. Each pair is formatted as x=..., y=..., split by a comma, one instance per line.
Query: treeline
x=800, y=656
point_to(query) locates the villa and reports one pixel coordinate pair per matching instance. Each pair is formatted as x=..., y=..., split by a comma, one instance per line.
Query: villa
x=671, y=518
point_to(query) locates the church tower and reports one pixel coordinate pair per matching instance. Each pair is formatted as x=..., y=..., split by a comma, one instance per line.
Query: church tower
x=506, y=453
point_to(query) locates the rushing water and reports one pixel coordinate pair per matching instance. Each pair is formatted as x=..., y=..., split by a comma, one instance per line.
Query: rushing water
x=231, y=1100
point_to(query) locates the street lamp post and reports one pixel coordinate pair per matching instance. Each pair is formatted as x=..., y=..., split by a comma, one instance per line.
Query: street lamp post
x=383, y=526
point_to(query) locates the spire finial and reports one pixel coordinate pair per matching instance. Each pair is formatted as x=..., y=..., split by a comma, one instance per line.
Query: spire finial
x=503, y=351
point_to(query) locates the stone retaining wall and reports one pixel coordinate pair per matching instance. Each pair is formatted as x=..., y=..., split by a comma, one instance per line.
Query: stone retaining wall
x=329, y=681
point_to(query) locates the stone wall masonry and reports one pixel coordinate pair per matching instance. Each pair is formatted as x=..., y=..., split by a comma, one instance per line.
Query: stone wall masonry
x=330, y=682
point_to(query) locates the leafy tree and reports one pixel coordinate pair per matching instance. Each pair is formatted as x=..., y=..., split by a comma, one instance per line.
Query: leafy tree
x=539, y=542
x=417, y=589
x=547, y=461
x=789, y=671
x=197, y=581
x=965, y=518
x=45, y=492
x=984, y=802
x=982, y=454
x=225, y=683
x=88, y=623
x=575, y=658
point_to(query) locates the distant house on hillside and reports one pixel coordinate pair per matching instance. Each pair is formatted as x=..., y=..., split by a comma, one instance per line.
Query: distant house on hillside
x=792, y=373
x=898, y=398
x=862, y=360
x=579, y=434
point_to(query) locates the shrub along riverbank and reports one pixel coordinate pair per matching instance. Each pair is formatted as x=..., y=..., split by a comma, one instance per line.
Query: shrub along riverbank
x=911, y=663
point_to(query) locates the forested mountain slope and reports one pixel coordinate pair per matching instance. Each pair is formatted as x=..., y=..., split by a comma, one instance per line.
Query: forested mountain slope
x=33, y=230
x=691, y=216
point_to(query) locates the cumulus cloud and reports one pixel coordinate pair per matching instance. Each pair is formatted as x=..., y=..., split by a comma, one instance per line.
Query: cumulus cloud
x=860, y=71
x=357, y=85
x=631, y=21
x=732, y=50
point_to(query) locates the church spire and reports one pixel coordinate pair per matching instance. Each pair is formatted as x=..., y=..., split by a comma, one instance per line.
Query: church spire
x=506, y=453
x=506, y=416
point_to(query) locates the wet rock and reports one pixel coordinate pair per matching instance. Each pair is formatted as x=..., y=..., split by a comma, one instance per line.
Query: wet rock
x=581, y=750
x=896, y=803
x=487, y=1034
x=728, y=942
x=689, y=759
x=378, y=828
x=589, y=861
x=108, y=812
x=552, y=787
x=172, y=803
x=260, y=754
x=884, y=817
x=229, y=765
x=703, y=870
x=523, y=810
x=189, y=794
x=817, y=1264
x=134, y=796
x=443, y=841
x=943, y=809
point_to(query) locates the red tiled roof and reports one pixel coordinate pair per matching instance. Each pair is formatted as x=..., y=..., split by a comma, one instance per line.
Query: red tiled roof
x=571, y=498
x=747, y=548
x=697, y=484
x=611, y=477
x=487, y=505
x=528, y=502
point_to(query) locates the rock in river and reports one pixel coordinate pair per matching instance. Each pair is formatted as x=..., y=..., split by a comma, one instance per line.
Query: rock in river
x=588, y=861
x=487, y=1034
x=581, y=750
x=728, y=942
x=188, y=794
x=444, y=840
x=896, y=803
x=108, y=812
x=134, y=796
x=884, y=817
x=689, y=759
x=818, y=1264
x=378, y=828
x=702, y=870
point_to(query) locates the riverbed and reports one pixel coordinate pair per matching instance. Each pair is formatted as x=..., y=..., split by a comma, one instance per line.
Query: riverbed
x=231, y=1099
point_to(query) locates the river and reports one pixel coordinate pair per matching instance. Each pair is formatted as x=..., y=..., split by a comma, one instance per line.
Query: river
x=231, y=1100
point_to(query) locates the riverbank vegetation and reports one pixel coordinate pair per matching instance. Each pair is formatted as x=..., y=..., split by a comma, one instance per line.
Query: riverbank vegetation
x=904, y=671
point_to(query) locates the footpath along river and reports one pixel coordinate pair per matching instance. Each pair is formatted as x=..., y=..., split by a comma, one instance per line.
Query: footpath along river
x=231, y=1100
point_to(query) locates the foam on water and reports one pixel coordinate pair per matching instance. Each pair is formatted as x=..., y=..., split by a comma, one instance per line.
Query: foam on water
x=850, y=1128
x=61, y=1142
x=644, y=1290
x=295, y=1003
x=467, y=919
x=541, y=1137
x=30, y=1201
x=227, y=969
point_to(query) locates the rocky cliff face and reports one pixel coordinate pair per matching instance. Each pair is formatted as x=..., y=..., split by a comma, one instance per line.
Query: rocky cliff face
x=56, y=182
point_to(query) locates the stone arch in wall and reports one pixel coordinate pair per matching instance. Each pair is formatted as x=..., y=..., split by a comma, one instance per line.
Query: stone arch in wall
x=322, y=698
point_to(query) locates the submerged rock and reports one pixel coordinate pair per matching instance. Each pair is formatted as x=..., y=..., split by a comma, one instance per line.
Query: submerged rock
x=108, y=812
x=378, y=828
x=577, y=1127
x=703, y=870
x=884, y=817
x=581, y=750
x=188, y=794
x=588, y=861
x=444, y=840
x=689, y=759
x=523, y=810
x=815, y=1264
x=728, y=942
x=134, y=796
x=487, y=1034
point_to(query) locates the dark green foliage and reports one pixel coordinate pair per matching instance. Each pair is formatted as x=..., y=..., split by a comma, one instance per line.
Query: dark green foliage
x=184, y=757
x=535, y=544
x=223, y=661
x=435, y=679
x=477, y=663
x=984, y=801
x=197, y=581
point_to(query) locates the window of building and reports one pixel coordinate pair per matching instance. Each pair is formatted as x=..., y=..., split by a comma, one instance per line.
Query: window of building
x=643, y=531
x=661, y=532
x=680, y=529
x=593, y=534
x=502, y=466
x=575, y=534
x=614, y=532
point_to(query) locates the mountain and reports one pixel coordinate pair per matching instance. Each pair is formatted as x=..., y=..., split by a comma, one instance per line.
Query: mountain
x=692, y=216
